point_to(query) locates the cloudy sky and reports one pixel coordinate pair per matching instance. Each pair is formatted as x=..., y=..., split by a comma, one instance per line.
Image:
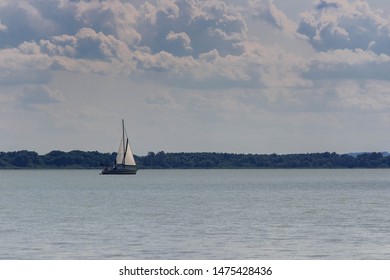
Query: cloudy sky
x=242, y=76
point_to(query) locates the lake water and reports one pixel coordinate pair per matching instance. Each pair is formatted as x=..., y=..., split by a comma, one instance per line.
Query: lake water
x=195, y=214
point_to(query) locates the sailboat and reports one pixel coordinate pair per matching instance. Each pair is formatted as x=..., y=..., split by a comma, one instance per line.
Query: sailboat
x=124, y=162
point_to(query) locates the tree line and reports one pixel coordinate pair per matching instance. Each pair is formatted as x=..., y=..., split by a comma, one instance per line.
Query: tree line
x=162, y=160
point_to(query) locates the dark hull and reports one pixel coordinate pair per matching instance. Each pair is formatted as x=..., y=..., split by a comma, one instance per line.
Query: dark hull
x=132, y=170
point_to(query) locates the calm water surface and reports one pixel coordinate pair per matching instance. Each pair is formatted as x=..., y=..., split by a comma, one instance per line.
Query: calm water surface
x=195, y=214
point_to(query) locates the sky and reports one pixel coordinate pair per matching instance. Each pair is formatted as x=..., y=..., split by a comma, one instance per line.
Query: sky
x=236, y=76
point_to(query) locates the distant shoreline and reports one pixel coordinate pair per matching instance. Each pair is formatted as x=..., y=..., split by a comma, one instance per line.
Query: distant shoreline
x=201, y=160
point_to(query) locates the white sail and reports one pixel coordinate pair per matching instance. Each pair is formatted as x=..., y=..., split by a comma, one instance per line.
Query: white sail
x=121, y=153
x=129, y=158
x=125, y=154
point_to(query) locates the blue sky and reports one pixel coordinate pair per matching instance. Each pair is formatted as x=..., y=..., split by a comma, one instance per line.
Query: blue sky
x=256, y=76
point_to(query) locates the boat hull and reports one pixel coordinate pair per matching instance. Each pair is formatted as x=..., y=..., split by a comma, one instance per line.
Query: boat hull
x=132, y=170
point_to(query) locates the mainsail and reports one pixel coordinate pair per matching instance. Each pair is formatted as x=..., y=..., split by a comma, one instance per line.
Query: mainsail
x=125, y=154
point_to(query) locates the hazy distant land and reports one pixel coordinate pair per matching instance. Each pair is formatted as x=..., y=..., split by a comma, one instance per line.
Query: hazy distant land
x=161, y=160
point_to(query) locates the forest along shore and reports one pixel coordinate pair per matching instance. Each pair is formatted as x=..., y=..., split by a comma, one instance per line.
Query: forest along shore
x=162, y=160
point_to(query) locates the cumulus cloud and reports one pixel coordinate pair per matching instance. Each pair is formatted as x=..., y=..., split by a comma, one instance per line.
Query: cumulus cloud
x=114, y=18
x=197, y=27
x=91, y=45
x=193, y=42
x=34, y=20
x=266, y=10
x=341, y=24
x=37, y=37
x=188, y=43
x=82, y=35
x=22, y=22
x=24, y=65
x=180, y=43
x=349, y=64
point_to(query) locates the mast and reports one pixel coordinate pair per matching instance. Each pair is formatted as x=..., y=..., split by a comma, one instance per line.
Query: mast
x=123, y=141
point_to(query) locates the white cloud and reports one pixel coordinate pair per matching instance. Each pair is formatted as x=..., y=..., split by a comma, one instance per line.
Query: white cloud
x=208, y=24
x=341, y=24
x=349, y=64
x=171, y=37
x=266, y=10
x=181, y=43
x=35, y=20
x=23, y=66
